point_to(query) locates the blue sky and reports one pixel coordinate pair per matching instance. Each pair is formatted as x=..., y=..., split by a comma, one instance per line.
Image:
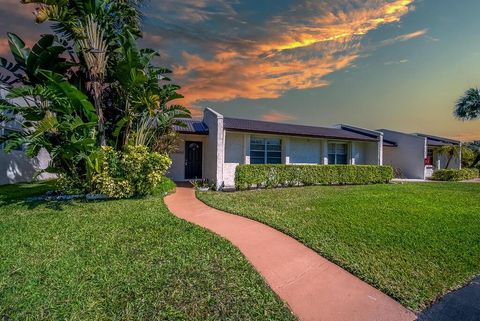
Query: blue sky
x=398, y=64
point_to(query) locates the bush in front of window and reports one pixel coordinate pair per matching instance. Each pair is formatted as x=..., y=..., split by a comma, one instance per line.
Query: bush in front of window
x=455, y=174
x=270, y=176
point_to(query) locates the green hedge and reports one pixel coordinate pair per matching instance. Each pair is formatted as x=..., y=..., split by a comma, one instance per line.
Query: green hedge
x=258, y=176
x=455, y=174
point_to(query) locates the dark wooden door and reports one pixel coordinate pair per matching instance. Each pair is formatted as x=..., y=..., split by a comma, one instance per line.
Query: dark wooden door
x=193, y=160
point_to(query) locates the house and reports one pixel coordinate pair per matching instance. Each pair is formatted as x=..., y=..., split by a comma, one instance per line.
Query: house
x=415, y=156
x=213, y=147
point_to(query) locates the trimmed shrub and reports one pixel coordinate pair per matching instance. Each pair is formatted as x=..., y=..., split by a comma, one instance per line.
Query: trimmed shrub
x=134, y=172
x=258, y=176
x=455, y=174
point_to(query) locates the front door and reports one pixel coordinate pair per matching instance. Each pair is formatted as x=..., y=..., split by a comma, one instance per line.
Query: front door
x=193, y=160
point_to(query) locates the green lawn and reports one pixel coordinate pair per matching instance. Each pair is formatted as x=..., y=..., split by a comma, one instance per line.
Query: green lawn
x=414, y=242
x=120, y=260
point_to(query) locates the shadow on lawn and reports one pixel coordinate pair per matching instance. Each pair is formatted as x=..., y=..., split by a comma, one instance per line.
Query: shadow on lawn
x=22, y=194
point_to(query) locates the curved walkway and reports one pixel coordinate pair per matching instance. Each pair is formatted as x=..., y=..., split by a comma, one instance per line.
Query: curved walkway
x=313, y=287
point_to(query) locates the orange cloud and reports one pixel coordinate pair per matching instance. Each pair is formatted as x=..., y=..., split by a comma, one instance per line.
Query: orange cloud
x=467, y=137
x=4, y=49
x=294, y=50
x=276, y=116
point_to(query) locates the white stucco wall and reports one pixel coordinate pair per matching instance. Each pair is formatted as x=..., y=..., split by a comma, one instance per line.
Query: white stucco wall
x=215, y=152
x=234, y=155
x=304, y=150
x=16, y=167
x=408, y=156
x=371, y=154
x=357, y=153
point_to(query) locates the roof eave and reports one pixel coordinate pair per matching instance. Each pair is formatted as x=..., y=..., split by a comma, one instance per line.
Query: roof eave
x=300, y=135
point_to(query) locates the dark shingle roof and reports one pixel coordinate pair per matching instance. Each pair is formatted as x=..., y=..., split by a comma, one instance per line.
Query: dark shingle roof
x=192, y=126
x=438, y=141
x=431, y=142
x=257, y=126
x=389, y=143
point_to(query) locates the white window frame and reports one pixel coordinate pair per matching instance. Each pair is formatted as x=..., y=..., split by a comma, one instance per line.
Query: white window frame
x=347, y=152
x=265, y=149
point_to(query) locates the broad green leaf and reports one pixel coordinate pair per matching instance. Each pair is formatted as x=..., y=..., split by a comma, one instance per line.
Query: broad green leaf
x=77, y=98
x=17, y=47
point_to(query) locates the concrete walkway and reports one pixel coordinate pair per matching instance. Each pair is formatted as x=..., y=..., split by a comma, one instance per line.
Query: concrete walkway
x=314, y=288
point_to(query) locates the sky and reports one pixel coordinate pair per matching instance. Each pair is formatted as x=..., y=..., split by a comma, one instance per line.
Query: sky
x=396, y=64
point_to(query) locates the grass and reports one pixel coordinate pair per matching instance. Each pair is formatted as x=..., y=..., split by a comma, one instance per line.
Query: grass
x=414, y=242
x=120, y=260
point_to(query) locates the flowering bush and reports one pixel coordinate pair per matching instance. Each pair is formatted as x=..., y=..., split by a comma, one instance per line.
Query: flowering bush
x=134, y=172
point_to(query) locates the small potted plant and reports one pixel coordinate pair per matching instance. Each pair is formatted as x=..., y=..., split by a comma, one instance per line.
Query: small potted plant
x=202, y=185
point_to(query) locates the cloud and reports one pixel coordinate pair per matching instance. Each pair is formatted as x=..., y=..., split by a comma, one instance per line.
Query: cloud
x=467, y=137
x=221, y=52
x=406, y=37
x=276, y=116
x=396, y=62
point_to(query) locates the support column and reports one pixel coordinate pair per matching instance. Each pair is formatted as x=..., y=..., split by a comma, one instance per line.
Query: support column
x=380, y=151
x=246, y=149
x=353, y=151
x=460, y=157
x=325, y=152
x=286, y=151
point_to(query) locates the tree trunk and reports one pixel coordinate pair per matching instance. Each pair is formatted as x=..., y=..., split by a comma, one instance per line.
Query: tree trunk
x=449, y=160
x=477, y=160
x=97, y=100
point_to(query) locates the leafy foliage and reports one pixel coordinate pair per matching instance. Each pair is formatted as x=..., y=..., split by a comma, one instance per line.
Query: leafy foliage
x=451, y=151
x=134, y=172
x=468, y=106
x=455, y=174
x=251, y=176
x=86, y=86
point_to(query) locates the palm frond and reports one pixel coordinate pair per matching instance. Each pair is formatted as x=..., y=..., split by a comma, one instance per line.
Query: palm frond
x=467, y=107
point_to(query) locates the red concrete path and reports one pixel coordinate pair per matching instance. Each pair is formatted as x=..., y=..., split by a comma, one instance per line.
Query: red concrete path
x=314, y=288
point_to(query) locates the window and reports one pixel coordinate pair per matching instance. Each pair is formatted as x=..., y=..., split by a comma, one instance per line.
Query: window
x=337, y=153
x=265, y=151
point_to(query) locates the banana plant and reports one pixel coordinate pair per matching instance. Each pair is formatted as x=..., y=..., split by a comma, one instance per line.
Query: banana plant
x=58, y=118
x=46, y=54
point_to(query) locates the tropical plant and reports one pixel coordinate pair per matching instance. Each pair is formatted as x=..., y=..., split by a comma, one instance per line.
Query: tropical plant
x=134, y=172
x=475, y=148
x=57, y=117
x=467, y=107
x=46, y=54
x=87, y=85
x=451, y=151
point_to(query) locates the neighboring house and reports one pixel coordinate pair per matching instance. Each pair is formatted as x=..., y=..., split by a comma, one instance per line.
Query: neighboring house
x=16, y=167
x=212, y=148
x=415, y=155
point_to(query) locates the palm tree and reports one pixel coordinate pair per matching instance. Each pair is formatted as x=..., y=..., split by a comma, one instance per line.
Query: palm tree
x=451, y=151
x=467, y=107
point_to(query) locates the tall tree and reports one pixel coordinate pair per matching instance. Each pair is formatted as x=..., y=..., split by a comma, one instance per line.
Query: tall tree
x=88, y=81
x=467, y=107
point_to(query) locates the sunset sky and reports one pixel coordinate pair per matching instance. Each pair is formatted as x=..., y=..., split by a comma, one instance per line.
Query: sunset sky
x=397, y=64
